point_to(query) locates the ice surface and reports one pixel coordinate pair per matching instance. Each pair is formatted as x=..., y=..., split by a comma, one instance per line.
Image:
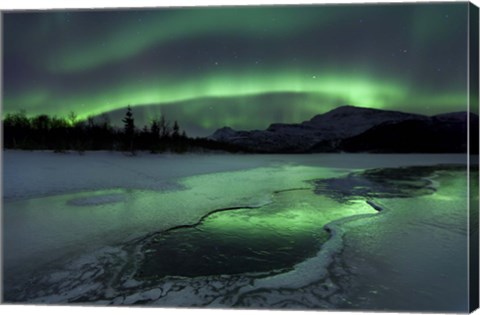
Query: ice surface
x=414, y=256
x=40, y=230
x=76, y=222
x=99, y=198
x=33, y=174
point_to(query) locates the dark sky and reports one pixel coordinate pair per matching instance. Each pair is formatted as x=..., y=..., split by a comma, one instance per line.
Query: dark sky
x=245, y=67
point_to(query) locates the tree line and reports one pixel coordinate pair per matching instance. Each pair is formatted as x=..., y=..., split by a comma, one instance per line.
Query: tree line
x=59, y=134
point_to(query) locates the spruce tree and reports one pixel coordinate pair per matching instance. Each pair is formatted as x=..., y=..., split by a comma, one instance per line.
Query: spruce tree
x=155, y=129
x=129, y=129
x=176, y=130
x=164, y=128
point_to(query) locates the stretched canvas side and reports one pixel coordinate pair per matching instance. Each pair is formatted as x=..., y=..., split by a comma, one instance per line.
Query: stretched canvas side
x=474, y=143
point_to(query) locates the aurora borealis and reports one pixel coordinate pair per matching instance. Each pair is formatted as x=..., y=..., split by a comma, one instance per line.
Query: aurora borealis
x=244, y=67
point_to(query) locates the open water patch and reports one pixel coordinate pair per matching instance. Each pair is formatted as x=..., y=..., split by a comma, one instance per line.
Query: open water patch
x=400, y=182
x=277, y=236
x=273, y=237
x=271, y=252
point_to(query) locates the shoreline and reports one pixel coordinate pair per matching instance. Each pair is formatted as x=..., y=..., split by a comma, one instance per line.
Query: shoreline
x=228, y=189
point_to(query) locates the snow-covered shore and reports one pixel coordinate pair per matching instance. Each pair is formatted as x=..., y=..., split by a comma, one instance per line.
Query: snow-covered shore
x=67, y=202
x=74, y=211
x=28, y=174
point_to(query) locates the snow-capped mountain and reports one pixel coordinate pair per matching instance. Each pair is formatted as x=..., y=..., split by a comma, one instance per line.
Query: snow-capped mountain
x=354, y=129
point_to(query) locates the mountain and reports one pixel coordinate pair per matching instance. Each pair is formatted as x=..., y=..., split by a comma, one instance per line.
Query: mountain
x=438, y=134
x=355, y=129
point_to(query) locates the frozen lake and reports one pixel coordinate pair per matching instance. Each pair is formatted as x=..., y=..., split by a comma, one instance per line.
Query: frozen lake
x=299, y=231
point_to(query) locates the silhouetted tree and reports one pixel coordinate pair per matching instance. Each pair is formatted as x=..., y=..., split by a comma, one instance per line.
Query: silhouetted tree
x=72, y=118
x=90, y=122
x=176, y=130
x=60, y=134
x=17, y=129
x=155, y=129
x=154, y=136
x=41, y=124
x=19, y=119
x=129, y=129
x=105, y=121
x=164, y=127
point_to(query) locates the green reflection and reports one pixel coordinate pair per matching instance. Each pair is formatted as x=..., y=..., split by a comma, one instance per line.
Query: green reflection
x=273, y=237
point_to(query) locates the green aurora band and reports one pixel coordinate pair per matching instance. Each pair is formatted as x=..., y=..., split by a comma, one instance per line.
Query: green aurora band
x=405, y=57
x=184, y=24
x=350, y=89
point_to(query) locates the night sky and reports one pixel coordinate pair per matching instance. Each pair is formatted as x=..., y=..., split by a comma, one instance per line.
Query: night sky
x=244, y=67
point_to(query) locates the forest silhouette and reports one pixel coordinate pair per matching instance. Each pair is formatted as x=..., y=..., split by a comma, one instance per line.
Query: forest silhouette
x=60, y=134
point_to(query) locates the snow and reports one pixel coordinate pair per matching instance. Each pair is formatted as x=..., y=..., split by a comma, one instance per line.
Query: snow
x=35, y=174
x=348, y=121
x=32, y=174
x=152, y=294
x=340, y=123
x=56, y=204
x=75, y=213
